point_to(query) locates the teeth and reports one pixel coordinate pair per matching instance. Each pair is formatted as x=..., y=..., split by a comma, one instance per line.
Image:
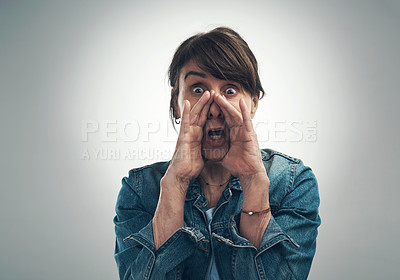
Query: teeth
x=215, y=134
x=215, y=137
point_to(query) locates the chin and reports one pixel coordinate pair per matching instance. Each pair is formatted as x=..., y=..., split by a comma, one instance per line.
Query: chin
x=214, y=154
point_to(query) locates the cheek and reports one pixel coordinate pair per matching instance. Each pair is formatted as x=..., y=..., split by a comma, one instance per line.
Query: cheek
x=248, y=101
x=236, y=105
x=184, y=95
x=191, y=98
x=235, y=101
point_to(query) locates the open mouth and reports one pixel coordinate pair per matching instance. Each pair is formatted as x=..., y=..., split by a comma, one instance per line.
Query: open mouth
x=216, y=134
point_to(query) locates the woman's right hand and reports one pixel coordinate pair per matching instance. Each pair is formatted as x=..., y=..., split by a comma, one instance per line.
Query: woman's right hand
x=187, y=161
x=186, y=164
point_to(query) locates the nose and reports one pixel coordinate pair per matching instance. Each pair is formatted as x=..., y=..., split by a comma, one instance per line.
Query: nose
x=214, y=112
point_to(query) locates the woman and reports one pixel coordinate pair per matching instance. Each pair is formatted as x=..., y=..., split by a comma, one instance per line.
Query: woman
x=221, y=208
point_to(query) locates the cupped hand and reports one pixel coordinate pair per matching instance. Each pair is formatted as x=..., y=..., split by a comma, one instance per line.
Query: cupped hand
x=187, y=161
x=244, y=156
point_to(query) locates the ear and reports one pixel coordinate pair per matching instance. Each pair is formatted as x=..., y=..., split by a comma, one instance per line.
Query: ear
x=175, y=106
x=254, y=105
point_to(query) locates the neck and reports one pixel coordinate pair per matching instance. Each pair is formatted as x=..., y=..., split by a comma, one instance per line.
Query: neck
x=214, y=174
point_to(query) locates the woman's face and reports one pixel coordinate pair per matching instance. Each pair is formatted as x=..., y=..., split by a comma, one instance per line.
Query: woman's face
x=193, y=82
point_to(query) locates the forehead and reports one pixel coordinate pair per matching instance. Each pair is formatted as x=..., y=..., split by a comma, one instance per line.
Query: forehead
x=192, y=66
x=191, y=71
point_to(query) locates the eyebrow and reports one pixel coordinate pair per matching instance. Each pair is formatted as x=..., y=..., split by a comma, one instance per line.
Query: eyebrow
x=195, y=73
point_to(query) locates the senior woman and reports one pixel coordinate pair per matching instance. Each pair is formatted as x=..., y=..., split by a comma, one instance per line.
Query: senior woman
x=221, y=208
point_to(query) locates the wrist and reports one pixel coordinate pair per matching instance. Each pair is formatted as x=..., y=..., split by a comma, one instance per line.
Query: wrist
x=252, y=170
x=254, y=181
x=255, y=192
x=174, y=185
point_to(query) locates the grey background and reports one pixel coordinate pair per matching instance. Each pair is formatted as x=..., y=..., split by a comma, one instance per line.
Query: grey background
x=331, y=63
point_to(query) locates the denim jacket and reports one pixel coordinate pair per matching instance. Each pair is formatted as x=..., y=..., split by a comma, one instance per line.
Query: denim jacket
x=286, y=250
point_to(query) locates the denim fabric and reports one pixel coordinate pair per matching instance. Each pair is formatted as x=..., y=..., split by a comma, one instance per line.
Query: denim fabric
x=212, y=273
x=287, y=247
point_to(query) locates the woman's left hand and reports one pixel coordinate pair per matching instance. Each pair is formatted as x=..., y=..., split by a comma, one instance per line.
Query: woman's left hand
x=244, y=160
x=244, y=156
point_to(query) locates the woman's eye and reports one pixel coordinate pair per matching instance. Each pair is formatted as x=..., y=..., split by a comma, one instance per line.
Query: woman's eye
x=198, y=90
x=230, y=91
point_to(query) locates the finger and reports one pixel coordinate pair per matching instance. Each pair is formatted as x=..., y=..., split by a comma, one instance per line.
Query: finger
x=246, y=115
x=197, y=108
x=226, y=116
x=205, y=110
x=186, y=113
x=232, y=115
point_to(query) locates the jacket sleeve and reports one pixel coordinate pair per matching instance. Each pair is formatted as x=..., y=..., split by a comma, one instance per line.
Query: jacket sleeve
x=289, y=242
x=135, y=253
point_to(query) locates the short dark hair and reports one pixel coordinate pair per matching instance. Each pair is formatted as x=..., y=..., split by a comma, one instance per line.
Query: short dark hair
x=221, y=52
